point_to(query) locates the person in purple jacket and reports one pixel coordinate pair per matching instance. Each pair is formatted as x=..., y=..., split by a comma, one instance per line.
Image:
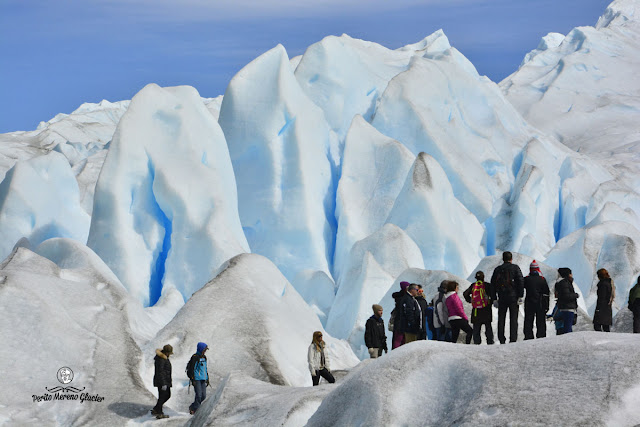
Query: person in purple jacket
x=457, y=318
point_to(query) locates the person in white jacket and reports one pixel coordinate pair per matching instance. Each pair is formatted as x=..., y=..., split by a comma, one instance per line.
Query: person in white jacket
x=319, y=360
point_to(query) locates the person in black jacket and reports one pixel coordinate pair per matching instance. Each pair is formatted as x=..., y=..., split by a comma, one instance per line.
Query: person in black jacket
x=478, y=295
x=162, y=379
x=374, y=336
x=567, y=301
x=408, y=318
x=422, y=302
x=536, y=303
x=603, y=316
x=398, y=314
x=508, y=290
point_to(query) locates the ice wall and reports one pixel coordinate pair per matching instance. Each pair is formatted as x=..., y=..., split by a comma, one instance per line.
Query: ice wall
x=280, y=146
x=39, y=200
x=165, y=212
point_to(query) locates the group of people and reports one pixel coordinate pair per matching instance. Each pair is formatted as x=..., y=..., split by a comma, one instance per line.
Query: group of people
x=196, y=371
x=444, y=317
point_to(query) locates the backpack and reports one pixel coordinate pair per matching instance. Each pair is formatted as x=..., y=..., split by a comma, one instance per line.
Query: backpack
x=439, y=305
x=190, y=369
x=391, y=319
x=479, y=297
x=504, y=280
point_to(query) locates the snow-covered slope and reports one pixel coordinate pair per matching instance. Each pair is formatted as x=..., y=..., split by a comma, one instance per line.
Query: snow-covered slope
x=55, y=318
x=579, y=379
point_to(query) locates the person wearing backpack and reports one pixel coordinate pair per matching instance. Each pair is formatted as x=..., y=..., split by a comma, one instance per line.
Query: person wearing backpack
x=536, y=303
x=603, y=316
x=481, y=314
x=198, y=375
x=508, y=290
x=162, y=379
x=398, y=316
x=374, y=337
x=457, y=317
x=441, y=315
x=567, y=300
x=634, y=305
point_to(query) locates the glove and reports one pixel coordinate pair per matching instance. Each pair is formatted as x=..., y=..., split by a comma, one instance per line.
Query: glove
x=164, y=388
x=386, y=350
x=520, y=301
x=495, y=304
x=208, y=382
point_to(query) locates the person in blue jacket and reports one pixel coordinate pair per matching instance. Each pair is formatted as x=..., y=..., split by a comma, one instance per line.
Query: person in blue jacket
x=200, y=379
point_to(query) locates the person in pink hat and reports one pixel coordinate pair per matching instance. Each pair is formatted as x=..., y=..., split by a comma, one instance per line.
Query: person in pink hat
x=536, y=303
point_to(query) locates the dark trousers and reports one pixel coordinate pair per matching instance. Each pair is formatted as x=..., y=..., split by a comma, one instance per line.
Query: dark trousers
x=488, y=331
x=531, y=312
x=443, y=334
x=456, y=326
x=324, y=373
x=567, y=322
x=513, y=321
x=163, y=396
x=601, y=328
x=636, y=317
x=200, y=387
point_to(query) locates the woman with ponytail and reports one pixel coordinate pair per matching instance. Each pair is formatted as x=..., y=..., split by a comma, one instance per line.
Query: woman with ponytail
x=319, y=360
x=602, y=318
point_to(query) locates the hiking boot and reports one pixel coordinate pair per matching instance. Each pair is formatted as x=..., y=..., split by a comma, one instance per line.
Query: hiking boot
x=191, y=412
x=161, y=416
x=154, y=413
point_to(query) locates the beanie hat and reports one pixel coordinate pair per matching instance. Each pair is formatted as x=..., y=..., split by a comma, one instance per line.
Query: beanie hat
x=534, y=267
x=376, y=307
x=167, y=349
x=404, y=285
x=564, y=272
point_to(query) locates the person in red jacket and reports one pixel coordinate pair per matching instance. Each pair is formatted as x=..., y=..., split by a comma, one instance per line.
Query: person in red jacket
x=457, y=318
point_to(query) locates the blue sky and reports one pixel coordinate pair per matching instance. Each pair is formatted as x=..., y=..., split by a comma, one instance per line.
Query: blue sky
x=57, y=54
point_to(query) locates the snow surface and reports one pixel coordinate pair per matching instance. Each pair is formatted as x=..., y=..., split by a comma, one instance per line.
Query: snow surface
x=254, y=321
x=580, y=379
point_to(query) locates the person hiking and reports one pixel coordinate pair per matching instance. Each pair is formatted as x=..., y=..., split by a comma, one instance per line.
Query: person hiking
x=411, y=315
x=508, y=290
x=567, y=300
x=422, y=302
x=457, y=317
x=398, y=336
x=162, y=379
x=441, y=315
x=482, y=313
x=374, y=336
x=198, y=375
x=634, y=305
x=318, y=360
x=603, y=316
x=536, y=303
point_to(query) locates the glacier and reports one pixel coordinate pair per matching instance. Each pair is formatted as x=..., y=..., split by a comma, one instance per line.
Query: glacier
x=302, y=196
